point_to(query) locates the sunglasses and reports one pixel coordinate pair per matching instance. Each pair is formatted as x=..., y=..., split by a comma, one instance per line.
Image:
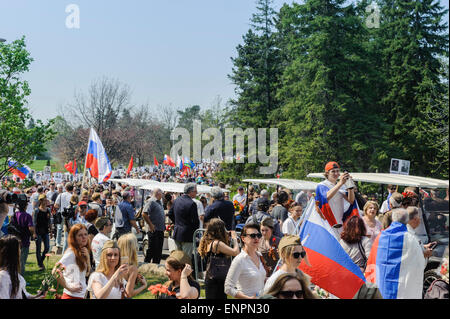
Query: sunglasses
x=290, y=294
x=296, y=255
x=255, y=235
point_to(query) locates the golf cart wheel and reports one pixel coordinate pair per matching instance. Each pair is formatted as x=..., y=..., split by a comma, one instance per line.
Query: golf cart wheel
x=428, y=277
x=145, y=247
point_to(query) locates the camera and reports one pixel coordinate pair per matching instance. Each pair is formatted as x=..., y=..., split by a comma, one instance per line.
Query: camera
x=69, y=212
x=8, y=197
x=12, y=198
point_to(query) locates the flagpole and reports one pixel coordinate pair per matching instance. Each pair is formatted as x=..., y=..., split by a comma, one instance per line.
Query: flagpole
x=85, y=162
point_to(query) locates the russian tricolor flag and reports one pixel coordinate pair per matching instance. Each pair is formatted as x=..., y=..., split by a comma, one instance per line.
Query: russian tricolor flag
x=96, y=159
x=324, y=206
x=331, y=268
x=396, y=264
x=19, y=170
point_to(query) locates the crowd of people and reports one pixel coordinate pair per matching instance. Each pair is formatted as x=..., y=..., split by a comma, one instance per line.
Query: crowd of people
x=94, y=230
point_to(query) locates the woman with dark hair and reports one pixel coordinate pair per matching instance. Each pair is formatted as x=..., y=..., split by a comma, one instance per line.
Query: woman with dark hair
x=12, y=284
x=26, y=227
x=41, y=219
x=268, y=245
x=355, y=242
x=291, y=286
x=215, y=243
x=181, y=285
x=77, y=263
x=279, y=212
x=245, y=278
x=90, y=217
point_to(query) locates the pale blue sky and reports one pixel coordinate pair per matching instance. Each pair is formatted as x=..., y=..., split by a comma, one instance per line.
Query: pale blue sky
x=168, y=51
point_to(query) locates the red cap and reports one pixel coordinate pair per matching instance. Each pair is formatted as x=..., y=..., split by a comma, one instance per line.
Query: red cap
x=331, y=165
x=82, y=203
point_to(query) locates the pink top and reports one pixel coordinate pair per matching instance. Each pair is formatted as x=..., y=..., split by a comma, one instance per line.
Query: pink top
x=373, y=232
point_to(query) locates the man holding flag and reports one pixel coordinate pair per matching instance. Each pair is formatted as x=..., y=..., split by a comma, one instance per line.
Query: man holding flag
x=336, y=201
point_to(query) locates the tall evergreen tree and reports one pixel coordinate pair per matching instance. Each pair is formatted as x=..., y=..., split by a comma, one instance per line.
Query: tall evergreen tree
x=256, y=71
x=330, y=112
x=414, y=39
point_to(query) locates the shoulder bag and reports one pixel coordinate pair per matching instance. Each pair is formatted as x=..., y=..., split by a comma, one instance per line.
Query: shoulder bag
x=218, y=265
x=363, y=254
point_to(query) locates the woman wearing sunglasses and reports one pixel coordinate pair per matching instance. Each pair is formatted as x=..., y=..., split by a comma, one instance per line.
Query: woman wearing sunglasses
x=245, y=278
x=290, y=286
x=291, y=253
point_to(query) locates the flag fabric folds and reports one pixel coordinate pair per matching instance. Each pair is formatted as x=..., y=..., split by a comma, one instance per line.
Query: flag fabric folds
x=396, y=264
x=96, y=159
x=130, y=166
x=155, y=161
x=325, y=208
x=168, y=161
x=17, y=169
x=331, y=268
x=71, y=167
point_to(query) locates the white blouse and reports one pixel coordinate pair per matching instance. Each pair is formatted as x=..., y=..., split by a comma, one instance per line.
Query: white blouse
x=72, y=275
x=99, y=277
x=5, y=286
x=243, y=276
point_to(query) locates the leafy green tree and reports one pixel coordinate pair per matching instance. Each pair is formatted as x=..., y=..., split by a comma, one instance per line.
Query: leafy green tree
x=21, y=138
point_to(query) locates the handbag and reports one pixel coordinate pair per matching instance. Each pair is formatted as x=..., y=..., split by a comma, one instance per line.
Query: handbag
x=218, y=265
x=266, y=268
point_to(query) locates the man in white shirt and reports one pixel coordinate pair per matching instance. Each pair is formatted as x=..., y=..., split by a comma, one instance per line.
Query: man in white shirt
x=62, y=201
x=385, y=206
x=241, y=197
x=290, y=224
x=333, y=195
x=413, y=223
x=104, y=226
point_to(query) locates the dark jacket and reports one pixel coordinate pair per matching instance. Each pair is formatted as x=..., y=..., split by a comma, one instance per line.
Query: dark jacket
x=185, y=217
x=222, y=209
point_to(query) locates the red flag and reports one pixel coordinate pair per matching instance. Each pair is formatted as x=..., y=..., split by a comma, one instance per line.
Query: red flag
x=69, y=167
x=75, y=168
x=130, y=166
x=169, y=161
x=155, y=161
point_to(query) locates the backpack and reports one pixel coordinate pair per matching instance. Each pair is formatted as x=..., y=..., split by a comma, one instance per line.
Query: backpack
x=15, y=229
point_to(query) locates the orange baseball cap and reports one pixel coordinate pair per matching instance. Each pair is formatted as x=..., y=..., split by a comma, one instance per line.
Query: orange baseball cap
x=331, y=165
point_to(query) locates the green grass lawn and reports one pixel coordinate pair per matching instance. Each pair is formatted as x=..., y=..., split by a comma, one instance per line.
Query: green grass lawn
x=33, y=276
x=39, y=165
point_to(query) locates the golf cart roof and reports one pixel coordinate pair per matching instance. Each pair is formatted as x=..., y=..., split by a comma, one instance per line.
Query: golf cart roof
x=394, y=179
x=287, y=183
x=134, y=182
x=177, y=187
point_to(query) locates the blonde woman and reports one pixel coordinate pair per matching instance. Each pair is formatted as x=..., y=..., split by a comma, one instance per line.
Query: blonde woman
x=128, y=249
x=291, y=253
x=373, y=226
x=108, y=282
